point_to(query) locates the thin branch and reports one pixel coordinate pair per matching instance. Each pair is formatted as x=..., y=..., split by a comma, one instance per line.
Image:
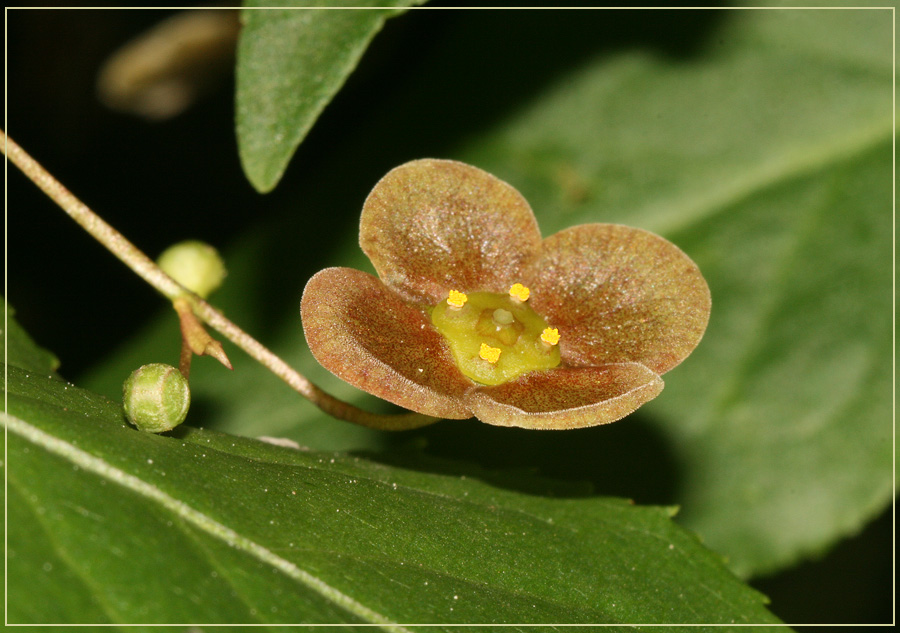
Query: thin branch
x=147, y=269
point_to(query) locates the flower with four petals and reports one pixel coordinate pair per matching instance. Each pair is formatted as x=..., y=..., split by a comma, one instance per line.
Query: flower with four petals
x=474, y=314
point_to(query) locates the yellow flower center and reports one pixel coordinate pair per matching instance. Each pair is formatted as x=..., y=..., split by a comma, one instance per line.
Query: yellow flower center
x=495, y=338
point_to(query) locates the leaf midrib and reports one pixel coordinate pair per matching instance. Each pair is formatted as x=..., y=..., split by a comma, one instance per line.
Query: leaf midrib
x=99, y=467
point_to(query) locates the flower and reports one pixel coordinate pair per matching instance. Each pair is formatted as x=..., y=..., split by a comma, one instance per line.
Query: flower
x=475, y=315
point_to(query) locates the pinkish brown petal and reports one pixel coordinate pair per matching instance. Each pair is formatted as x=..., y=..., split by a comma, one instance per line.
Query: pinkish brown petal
x=619, y=294
x=366, y=335
x=567, y=398
x=430, y=226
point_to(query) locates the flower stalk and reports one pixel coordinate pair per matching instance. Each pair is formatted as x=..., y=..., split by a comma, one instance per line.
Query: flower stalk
x=194, y=337
x=191, y=307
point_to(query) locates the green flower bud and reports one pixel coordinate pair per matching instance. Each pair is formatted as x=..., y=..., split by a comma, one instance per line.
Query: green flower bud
x=195, y=265
x=156, y=398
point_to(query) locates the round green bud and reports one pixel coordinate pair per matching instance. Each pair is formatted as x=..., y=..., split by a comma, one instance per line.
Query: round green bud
x=156, y=398
x=195, y=265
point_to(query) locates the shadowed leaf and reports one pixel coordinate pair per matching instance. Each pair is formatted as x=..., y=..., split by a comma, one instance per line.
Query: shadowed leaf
x=291, y=63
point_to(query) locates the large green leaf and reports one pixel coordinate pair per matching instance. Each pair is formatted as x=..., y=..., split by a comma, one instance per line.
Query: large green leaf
x=769, y=162
x=291, y=63
x=111, y=525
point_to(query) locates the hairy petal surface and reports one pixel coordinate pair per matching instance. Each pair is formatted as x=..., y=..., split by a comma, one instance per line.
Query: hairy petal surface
x=366, y=335
x=433, y=225
x=619, y=294
x=567, y=398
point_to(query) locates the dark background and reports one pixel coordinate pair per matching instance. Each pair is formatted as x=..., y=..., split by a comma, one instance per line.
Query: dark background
x=162, y=182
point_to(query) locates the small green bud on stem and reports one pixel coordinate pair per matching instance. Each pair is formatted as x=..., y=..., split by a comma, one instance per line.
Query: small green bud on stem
x=156, y=398
x=195, y=265
x=198, y=268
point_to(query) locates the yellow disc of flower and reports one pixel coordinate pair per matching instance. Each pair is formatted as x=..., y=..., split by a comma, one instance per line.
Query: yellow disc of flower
x=495, y=338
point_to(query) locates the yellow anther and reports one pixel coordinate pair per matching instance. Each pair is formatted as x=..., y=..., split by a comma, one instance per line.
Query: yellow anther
x=550, y=336
x=457, y=299
x=488, y=353
x=520, y=292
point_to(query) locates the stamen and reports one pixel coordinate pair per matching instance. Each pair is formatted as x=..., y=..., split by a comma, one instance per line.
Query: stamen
x=488, y=353
x=520, y=292
x=550, y=336
x=457, y=299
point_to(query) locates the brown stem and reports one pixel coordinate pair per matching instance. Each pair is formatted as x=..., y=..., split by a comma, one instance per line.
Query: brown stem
x=145, y=267
x=184, y=361
x=194, y=336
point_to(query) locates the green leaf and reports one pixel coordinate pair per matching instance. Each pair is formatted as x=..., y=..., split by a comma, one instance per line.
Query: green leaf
x=117, y=526
x=291, y=63
x=768, y=160
x=20, y=350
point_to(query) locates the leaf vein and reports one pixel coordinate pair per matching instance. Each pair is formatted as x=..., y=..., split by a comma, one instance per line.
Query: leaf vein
x=191, y=515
